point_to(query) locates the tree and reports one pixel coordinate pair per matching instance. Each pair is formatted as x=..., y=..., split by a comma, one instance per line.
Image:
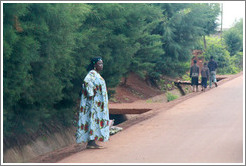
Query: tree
x=209, y=14
x=38, y=68
x=142, y=19
x=233, y=38
x=233, y=41
x=220, y=54
x=184, y=26
x=19, y=52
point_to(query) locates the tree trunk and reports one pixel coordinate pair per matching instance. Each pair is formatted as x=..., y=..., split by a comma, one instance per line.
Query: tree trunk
x=125, y=80
x=204, y=42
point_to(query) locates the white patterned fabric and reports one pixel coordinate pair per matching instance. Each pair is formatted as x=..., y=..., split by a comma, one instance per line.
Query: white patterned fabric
x=93, y=123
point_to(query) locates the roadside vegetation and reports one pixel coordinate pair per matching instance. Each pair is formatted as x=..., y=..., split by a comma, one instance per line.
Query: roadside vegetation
x=171, y=96
x=227, y=51
x=47, y=46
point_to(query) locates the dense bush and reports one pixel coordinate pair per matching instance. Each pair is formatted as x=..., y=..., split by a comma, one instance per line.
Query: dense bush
x=233, y=38
x=170, y=96
x=233, y=41
x=228, y=51
x=237, y=62
x=220, y=54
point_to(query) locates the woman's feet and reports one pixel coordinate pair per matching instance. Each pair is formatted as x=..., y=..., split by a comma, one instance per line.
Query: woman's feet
x=93, y=145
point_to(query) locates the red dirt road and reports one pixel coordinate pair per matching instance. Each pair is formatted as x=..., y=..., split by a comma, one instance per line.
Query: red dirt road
x=207, y=128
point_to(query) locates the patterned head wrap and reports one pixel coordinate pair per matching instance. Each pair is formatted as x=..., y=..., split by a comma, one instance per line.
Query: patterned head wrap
x=93, y=62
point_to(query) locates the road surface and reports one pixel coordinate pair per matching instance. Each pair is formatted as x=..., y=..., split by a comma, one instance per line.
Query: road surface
x=207, y=128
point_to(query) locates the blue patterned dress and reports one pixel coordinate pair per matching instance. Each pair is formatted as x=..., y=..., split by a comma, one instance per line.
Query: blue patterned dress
x=93, y=123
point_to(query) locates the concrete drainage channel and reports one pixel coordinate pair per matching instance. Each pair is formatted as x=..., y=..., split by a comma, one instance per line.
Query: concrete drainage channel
x=120, y=115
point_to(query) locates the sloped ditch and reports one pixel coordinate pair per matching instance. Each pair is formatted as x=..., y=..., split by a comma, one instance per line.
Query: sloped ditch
x=121, y=115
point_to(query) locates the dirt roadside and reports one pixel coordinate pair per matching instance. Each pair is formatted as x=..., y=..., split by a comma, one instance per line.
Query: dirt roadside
x=74, y=148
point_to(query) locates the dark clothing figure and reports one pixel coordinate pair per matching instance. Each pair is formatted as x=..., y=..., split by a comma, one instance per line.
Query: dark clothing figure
x=212, y=65
x=194, y=74
x=205, y=76
x=194, y=81
x=205, y=71
x=204, y=83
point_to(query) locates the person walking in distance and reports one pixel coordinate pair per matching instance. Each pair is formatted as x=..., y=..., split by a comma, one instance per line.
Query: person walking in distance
x=93, y=123
x=212, y=65
x=194, y=74
x=205, y=76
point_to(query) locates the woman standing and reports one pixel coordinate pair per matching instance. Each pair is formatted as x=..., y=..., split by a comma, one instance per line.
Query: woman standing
x=93, y=124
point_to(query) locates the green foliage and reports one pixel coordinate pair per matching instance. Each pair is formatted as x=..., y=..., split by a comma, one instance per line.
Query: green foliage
x=184, y=26
x=238, y=26
x=187, y=89
x=171, y=96
x=236, y=62
x=233, y=42
x=233, y=38
x=38, y=69
x=165, y=84
x=149, y=101
x=199, y=45
x=221, y=55
x=142, y=19
x=186, y=77
x=207, y=20
x=226, y=63
x=169, y=86
x=162, y=84
x=209, y=13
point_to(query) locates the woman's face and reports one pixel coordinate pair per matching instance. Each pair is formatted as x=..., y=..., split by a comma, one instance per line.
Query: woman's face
x=99, y=65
